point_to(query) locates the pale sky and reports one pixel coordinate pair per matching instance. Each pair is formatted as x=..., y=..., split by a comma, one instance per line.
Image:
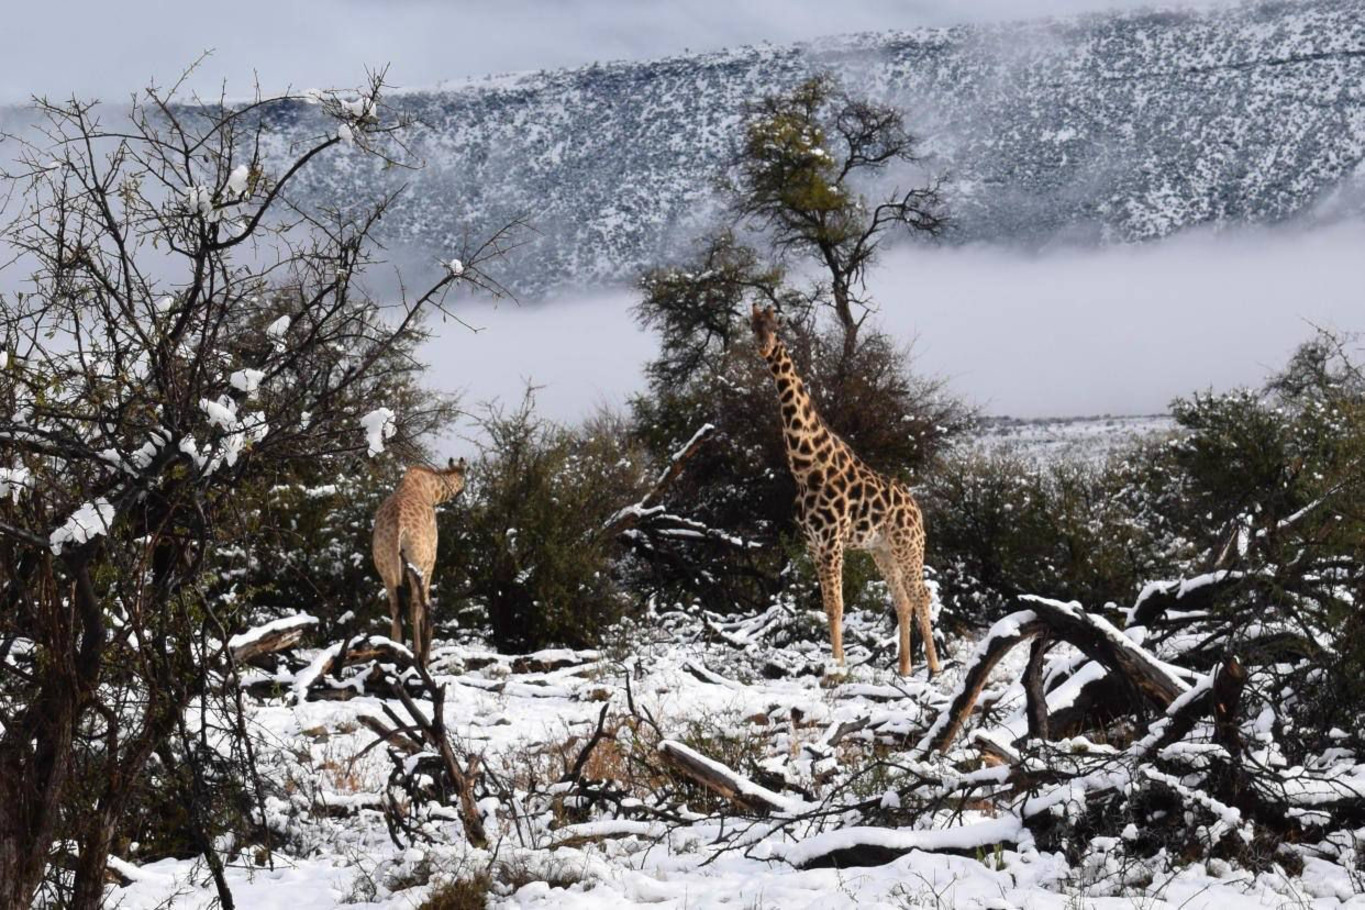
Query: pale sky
x=1117, y=330
x=104, y=49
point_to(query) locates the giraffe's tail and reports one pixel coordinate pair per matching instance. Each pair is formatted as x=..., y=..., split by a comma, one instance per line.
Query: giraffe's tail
x=409, y=592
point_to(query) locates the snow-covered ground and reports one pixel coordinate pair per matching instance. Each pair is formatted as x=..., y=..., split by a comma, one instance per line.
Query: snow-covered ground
x=695, y=677
x=1089, y=438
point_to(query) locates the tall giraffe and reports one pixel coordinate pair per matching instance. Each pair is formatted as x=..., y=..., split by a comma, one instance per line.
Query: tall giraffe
x=843, y=504
x=405, y=532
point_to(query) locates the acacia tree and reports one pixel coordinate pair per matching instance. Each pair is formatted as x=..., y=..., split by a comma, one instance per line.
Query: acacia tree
x=797, y=181
x=800, y=171
x=185, y=328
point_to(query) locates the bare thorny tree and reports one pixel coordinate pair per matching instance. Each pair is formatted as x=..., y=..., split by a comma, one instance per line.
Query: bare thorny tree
x=185, y=326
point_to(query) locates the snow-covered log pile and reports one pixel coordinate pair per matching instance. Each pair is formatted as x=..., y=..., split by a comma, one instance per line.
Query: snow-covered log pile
x=710, y=752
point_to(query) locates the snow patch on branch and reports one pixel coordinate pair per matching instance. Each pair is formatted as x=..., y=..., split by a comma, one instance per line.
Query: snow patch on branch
x=379, y=425
x=14, y=482
x=247, y=380
x=89, y=521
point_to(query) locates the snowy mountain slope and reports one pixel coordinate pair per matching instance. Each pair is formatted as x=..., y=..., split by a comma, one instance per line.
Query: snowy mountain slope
x=1108, y=128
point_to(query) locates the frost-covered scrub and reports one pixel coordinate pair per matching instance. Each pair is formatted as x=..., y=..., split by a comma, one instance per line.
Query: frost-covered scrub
x=817, y=788
x=180, y=346
x=1191, y=735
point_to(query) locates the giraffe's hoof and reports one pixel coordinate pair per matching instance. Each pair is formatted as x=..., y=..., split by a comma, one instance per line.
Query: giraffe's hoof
x=835, y=675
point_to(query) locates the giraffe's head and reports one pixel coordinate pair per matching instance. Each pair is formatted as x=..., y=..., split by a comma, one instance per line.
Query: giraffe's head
x=764, y=323
x=451, y=480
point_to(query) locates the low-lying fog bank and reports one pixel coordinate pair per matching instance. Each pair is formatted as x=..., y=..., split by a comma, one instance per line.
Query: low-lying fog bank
x=1118, y=330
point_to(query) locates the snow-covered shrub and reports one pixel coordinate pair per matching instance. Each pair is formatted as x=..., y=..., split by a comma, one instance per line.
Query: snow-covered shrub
x=179, y=351
x=1001, y=524
x=525, y=540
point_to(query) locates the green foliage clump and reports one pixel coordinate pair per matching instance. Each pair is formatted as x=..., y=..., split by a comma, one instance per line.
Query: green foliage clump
x=525, y=542
x=1000, y=525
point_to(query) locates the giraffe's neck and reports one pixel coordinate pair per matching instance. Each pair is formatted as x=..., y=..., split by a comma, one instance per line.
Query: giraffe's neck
x=425, y=485
x=809, y=443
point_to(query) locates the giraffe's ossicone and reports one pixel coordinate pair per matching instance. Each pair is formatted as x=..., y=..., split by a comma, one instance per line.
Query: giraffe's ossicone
x=842, y=504
x=405, y=533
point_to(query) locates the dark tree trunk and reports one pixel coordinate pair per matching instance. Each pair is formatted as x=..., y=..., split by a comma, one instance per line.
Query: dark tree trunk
x=36, y=750
x=843, y=308
x=33, y=774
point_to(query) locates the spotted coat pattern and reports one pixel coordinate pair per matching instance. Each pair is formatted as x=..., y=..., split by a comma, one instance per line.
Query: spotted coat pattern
x=405, y=529
x=843, y=504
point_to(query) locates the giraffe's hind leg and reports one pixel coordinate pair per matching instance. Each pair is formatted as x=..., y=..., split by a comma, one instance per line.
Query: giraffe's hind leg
x=900, y=597
x=422, y=632
x=921, y=598
x=395, y=613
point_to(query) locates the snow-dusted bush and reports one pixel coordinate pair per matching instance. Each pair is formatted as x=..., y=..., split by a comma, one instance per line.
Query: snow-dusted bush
x=525, y=543
x=739, y=482
x=184, y=344
x=1002, y=524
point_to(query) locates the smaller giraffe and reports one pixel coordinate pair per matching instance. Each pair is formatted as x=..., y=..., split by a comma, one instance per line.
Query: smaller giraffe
x=841, y=504
x=405, y=534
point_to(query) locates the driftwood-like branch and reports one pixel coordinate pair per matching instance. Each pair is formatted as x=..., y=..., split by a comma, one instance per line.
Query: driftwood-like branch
x=999, y=641
x=722, y=780
x=279, y=635
x=1099, y=640
x=630, y=516
x=461, y=776
x=1036, y=697
x=575, y=774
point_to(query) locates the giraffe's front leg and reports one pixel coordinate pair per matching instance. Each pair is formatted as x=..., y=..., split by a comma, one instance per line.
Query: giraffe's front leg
x=830, y=560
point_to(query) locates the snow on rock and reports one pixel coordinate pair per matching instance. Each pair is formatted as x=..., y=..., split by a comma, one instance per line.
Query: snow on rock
x=89, y=521
x=379, y=425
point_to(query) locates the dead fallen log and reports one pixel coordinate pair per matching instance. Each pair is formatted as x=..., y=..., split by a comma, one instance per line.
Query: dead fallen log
x=631, y=515
x=999, y=641
x=278, y=635
x=1101, y=641
x=1140, y=671
x=723, y=780
x=1211, y=699
x=345, y=653
x=553, y=659
x=844, y=848
x=1188, y=595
